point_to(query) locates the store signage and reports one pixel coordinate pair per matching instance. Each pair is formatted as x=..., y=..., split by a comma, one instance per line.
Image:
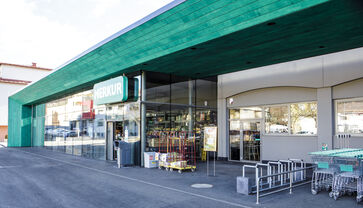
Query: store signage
x=210, y=139
x=111, y=91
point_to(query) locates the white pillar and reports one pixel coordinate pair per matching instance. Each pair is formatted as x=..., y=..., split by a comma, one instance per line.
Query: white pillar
x=325, y=117
x=222, y=125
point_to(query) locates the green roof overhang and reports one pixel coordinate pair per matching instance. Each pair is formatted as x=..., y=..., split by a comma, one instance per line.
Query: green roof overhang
x=203, y=38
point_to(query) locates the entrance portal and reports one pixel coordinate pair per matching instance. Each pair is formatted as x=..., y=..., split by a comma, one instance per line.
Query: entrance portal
x=114, y=131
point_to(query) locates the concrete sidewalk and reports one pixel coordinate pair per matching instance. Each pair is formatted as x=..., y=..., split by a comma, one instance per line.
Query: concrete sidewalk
x=37, y=177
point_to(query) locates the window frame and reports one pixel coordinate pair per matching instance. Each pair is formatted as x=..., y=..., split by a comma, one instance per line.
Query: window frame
x=336, y=101
x=263, y=119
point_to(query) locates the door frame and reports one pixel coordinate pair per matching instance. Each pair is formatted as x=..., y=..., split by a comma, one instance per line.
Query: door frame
x=110, y=129
x=241, y=139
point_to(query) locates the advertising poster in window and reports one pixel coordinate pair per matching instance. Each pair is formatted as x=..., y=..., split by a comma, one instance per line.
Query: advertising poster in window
x=210, y=139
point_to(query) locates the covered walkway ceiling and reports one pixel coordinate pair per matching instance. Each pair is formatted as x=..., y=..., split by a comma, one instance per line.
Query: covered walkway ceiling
x=202, y=38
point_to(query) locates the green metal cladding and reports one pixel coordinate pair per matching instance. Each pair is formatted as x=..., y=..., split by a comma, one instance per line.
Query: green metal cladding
x=38, y=121
x=201, y=38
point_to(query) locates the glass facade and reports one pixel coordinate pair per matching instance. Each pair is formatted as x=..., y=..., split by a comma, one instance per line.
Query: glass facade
x=276, y=120
x=74, y=126
x=303, y=118
x=179, y=104
x=349, y=116
x=247, y=123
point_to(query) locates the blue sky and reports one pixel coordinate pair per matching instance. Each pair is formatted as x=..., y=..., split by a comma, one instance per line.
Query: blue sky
x=51, y=32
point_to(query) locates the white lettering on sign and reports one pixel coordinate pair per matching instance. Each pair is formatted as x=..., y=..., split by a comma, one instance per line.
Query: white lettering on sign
x=113, y=90
x=110, y=90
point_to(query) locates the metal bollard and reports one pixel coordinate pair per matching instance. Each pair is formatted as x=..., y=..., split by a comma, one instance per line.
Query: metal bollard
x=290, y=182
x=257, y=187
x=119, y=157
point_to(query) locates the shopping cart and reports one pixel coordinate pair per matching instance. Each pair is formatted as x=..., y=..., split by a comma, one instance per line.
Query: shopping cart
x=323, y=175
x=349, y=178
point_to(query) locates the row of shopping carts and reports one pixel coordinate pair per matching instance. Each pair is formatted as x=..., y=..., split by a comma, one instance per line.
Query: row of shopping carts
x=338, y=171
x=176, y=150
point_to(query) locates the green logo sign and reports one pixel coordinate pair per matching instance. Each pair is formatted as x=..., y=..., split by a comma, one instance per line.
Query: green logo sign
x=111, y=91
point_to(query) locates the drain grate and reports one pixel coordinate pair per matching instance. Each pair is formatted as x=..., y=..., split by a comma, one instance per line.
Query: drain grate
x=202, y=185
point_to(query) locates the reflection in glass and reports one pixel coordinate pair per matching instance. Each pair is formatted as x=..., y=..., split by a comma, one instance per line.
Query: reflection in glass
x=276, y=120
x=71, y=126
x=350, y=117
x=251, y=140
x=180, y=89
x=206, y=92
x=250, y=113
x=303, y=118
x=235, y=139
x=234, y=113
x=158, y=87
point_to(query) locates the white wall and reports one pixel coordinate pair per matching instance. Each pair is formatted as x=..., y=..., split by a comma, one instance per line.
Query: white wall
x=22, y=73
x=5, y=91
x=286, y=147
x=318, y=78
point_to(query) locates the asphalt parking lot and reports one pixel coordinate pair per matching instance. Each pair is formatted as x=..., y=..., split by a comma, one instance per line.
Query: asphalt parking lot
x=37, y=177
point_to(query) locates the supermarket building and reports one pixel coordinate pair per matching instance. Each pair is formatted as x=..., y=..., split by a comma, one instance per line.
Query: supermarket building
x=278, y=78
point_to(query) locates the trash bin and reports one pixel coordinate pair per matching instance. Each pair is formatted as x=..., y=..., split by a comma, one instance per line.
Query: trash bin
x=123, y=153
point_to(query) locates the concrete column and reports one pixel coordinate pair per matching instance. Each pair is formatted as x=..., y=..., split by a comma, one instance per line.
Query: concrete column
x=143, y=116
x=222, y=127
x=325, y=117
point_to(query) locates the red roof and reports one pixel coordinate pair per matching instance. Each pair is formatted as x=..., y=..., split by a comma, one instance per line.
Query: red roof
x=33, y=67
x=14, y=81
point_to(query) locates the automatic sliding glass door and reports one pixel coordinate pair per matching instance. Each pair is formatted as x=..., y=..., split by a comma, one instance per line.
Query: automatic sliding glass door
x=234, y=140
x=244, y=133
x=250, y=134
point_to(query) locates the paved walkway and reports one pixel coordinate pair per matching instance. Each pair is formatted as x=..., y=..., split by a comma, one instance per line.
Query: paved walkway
x=37, y=177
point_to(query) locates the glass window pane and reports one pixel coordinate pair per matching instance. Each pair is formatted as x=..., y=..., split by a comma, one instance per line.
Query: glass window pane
x=277, y=120
x=251, y=113
x=157, y=119
x=206, y=92
x=304, y=118
x=180, y=89
x=234, y=139
x=157, y=87
x=350, y=117
x=71, y=126
x=234, y=113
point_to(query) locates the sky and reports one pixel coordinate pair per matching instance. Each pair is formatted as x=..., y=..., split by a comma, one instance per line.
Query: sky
x=51, y=32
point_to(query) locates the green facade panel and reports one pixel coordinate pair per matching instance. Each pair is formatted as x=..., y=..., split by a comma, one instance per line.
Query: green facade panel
x=19, y=124
x=38, y=121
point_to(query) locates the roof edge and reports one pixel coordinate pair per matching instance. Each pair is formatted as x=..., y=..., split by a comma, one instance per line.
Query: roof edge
x=14, y=81
x=125, y=30
x=25, y=66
